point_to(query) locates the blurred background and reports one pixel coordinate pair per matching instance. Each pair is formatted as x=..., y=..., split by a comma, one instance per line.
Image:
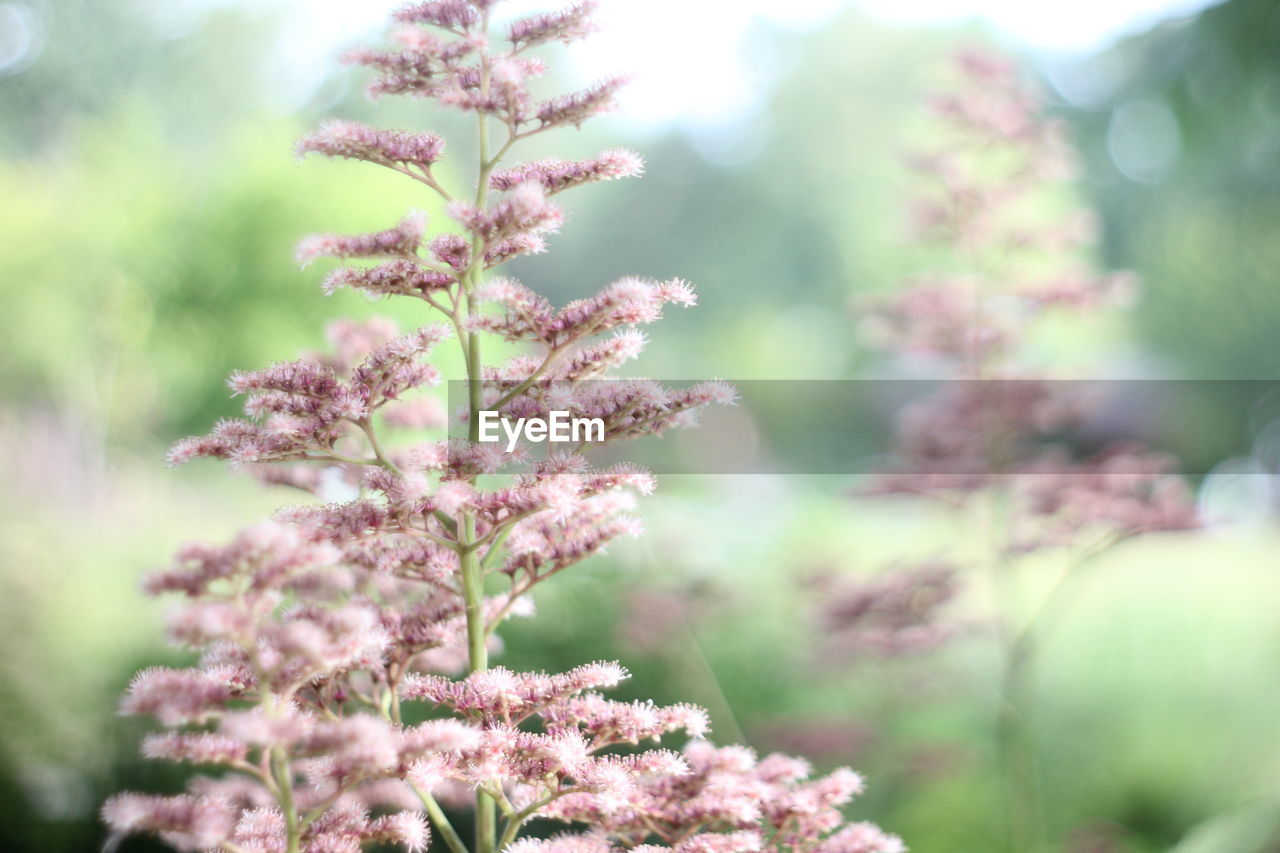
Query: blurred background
x=149, y=210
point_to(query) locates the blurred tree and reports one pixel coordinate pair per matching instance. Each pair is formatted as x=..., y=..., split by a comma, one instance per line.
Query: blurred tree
x=138, y=278
x=63, y=61
x=1181, y=127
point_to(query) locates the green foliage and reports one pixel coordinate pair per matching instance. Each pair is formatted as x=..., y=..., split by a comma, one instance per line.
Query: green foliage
x=87, y=55
x=137, y=278
x=1201, y=231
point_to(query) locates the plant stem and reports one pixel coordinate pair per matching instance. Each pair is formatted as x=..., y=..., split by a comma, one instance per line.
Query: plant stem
x=478, y=655
x=1019, y=767
x=473, y=594
x=293, y=830
x=516, y=820
x=472, y=573
x=533, y=377
x=1015, y=748
x=704, y=679
x=440, y=821
x=509, y=834
x=495, y=548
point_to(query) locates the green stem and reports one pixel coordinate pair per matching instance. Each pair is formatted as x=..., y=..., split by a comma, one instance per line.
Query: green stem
x=478, y=654
x=475, y=383
x=1020, y=770
x=473, y=595
x=517, y=819
x=440, y=821
x=495, y=548
x=533, y=377
x=1015, y=750
x=472, y=574
x=284, y=785
x=509, y=833
x=703, y=678
x=367, y=427
x=1019, y=759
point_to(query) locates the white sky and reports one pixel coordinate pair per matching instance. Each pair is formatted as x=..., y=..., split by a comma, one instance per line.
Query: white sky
x=679, y=49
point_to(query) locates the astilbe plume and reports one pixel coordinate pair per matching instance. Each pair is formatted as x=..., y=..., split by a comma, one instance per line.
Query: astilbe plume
x=316, y=629
x=988, y=440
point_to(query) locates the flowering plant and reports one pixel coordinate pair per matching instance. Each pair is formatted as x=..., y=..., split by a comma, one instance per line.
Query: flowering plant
x=989, y=443
x=320, y=629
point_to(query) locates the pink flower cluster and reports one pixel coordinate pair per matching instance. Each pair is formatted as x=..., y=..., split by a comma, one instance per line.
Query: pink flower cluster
x=728, y=801
x=341, y=687
x=261, y=700
x=309, y=408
